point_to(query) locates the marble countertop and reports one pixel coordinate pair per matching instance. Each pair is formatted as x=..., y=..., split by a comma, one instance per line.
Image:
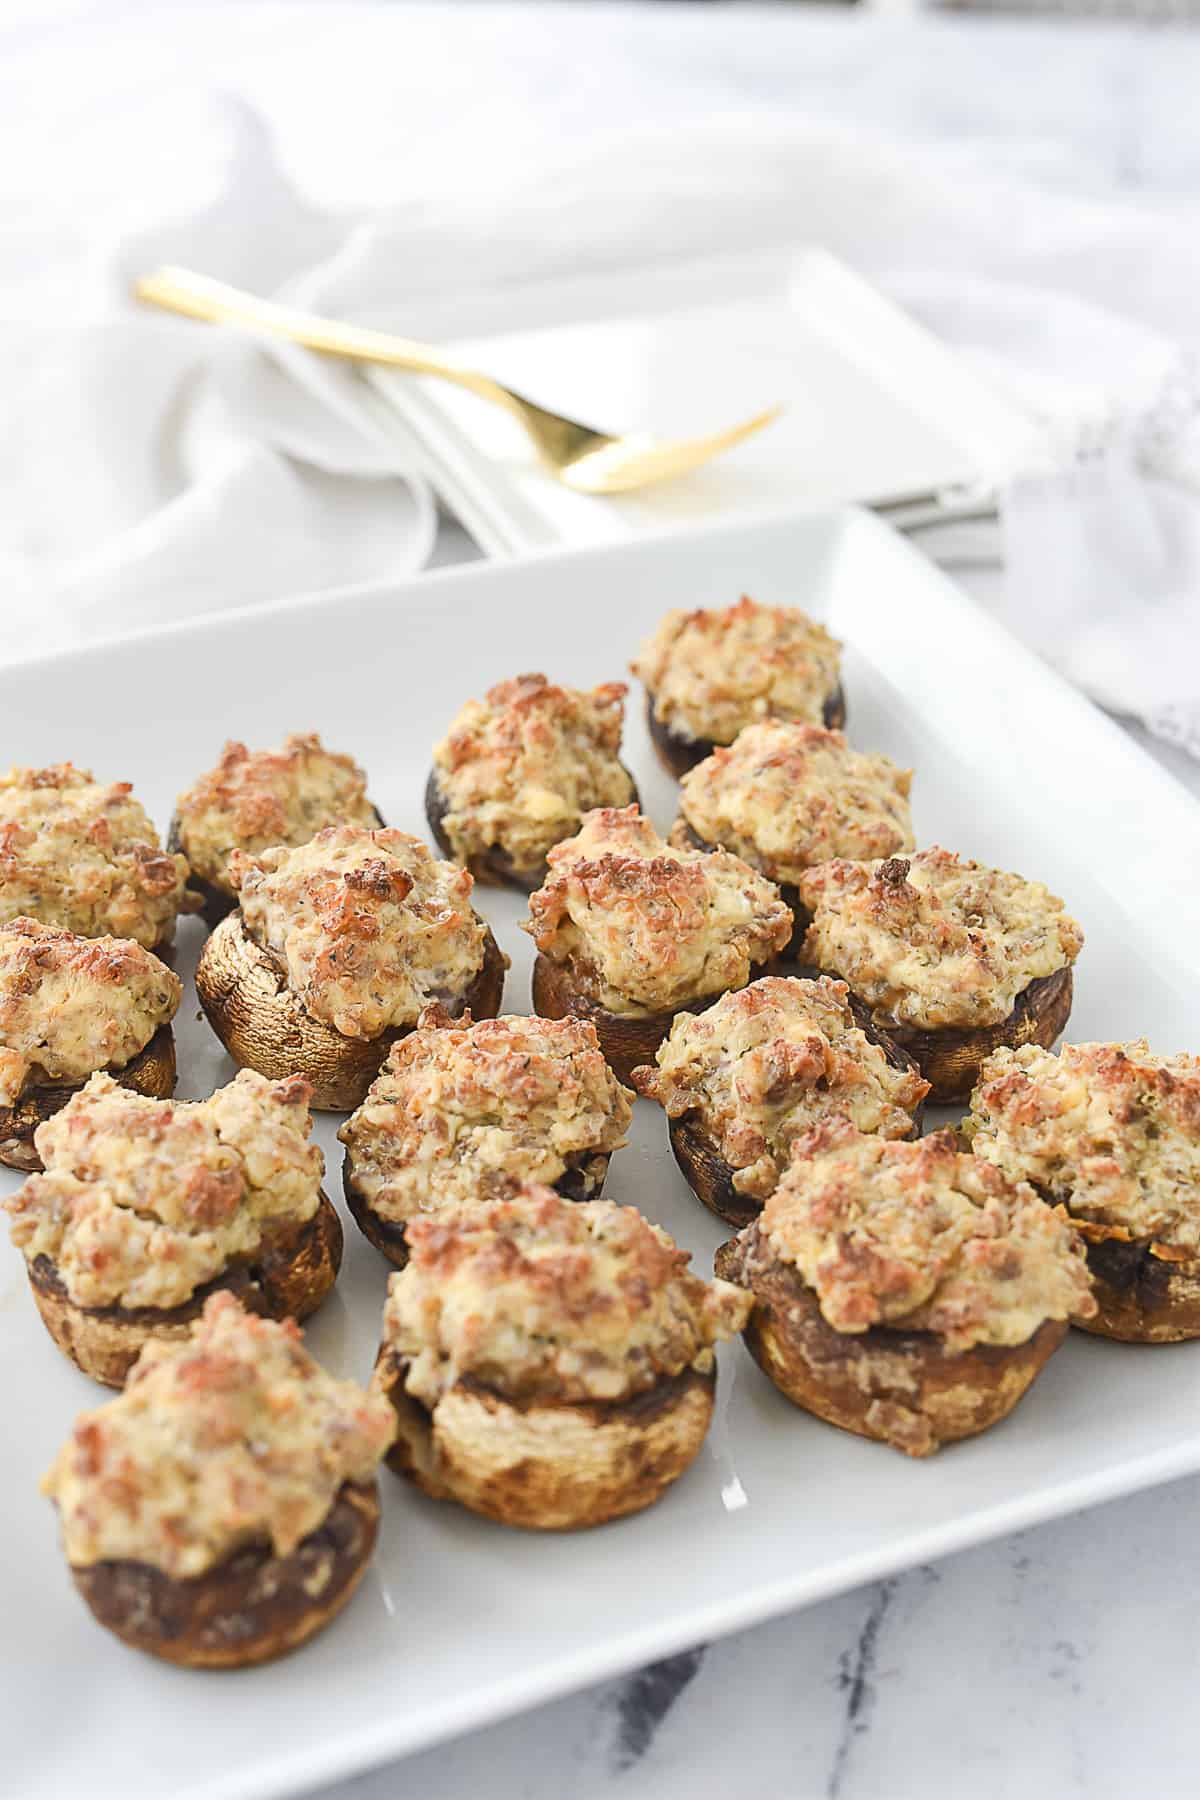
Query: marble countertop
x=1062, y=1660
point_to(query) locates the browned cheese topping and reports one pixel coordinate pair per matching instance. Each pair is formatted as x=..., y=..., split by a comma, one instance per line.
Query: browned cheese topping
x=713, y=673
x=519, y=769
x=80, y=854
x=464, y=1112
x=537, y=1296
x=70, y=1005
x=920, y=1237
x=256, y=798
x=763, y=1065
x=144, y=1201
x=786, y=796
x=1110, y=1130
x=931, y=939
x=368, y=925
x=234, y=1437
x=648, y=926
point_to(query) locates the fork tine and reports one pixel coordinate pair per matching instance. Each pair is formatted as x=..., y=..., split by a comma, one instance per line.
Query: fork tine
x=634, y=462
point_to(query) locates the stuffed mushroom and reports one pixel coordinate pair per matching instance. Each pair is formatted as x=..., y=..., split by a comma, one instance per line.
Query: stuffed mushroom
x=518, y=770
x=69, y=1006
x=905, y=1291
x=631, y=931
x=224, y=1508
x=743, y=1080
x=335, y=950
x=146, y=1207
x=951, y=958
x=254, y=799
x=550, y=1363
x=710, y=674
x=1111, y=1132
x=466, y=1111
x=786, y=796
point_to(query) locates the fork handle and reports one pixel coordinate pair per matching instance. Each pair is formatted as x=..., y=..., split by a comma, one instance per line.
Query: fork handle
x=200, y=297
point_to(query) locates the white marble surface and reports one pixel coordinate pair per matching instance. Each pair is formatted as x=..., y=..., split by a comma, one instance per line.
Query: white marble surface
x=1061, y=1661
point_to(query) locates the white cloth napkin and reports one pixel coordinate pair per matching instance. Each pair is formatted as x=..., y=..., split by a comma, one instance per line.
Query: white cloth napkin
x=158, y=468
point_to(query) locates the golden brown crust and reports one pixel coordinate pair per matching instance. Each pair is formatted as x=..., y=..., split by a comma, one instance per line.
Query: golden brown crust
x=151, y=1073
x=251, y=1608
x=217, y=902
x=264, y=1025
x=495, y=867
x=547, y=1466
x=902, y=1388
x=289, y=1276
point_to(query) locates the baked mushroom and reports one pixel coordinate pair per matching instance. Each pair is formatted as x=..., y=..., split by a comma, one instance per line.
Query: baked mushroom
x=463, y=1111
x=904, y=1291
x=550, y=1363
x=743, y=1080
x=952, y=959
x=517, y=771
x=82, y=854
x=1111, y=1132
x=256, y=798
x=223, y=1509
x=786, y=796
x=146, y=1207
x=69, y=1006
x=337, y=946
x=631, y=931
x=709, y=674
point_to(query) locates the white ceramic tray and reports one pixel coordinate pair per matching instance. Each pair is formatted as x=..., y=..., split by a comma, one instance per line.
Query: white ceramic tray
x=876, y=409
x=459, y=1621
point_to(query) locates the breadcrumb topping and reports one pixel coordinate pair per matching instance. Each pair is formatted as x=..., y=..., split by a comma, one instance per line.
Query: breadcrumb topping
x=144, y=1201
x=464, y=1111
x=368, y=925
x=932, y=939
x=1110, y=1130
x=920, y=1237
x=540, y=1296
x=518, y=769
x=83, y=855
x=256, y=798
x=234, y=1437
x=762, y=1066
x=785, y=796
x=70, y=1005
x=712, y=673
x=647, y=926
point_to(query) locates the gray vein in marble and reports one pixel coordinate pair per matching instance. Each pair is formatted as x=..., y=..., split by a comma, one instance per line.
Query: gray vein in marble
x=856, y=1682
x=643, y=1701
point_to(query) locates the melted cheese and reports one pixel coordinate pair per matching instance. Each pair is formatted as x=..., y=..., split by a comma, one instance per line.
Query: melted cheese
x=763, y=1065
x=785, y=796
x=1110, y=1130
x=368, y=925
x=934, y=940
x=464, y=1112
x=922, y=1238
x=82, y=855
x=539, y=1296
x=256, y=798
x=70, y=1005
x=519, y=769
x=710, y=674
x=648, y=927
x=144, y=1201
x=234, y=1437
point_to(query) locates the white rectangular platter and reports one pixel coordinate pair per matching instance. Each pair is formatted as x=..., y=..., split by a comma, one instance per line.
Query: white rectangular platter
x=459, y=1621
x=875, y=408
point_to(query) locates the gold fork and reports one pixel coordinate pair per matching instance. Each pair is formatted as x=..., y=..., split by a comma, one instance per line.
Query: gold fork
x=589, y=460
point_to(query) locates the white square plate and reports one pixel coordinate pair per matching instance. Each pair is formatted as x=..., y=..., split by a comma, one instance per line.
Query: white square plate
x=459, y=1621
x=876, y=409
